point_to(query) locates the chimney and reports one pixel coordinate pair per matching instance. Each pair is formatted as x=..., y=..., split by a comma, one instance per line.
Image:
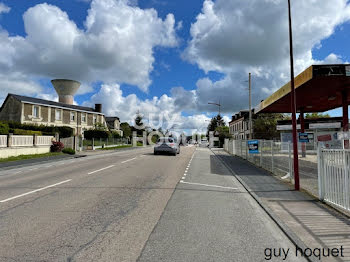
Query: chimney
x=98, y=108
x=65, y=89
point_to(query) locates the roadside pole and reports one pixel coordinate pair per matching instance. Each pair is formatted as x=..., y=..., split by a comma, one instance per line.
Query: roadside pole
x=293, y=104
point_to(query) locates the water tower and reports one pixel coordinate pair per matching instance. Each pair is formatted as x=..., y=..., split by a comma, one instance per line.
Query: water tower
x=65, y=89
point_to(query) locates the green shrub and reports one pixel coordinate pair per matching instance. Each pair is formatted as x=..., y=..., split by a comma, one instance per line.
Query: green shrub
x=93, y=133
x=69, y=151
x=4, y=129
x=23, y=132
x=114, y=134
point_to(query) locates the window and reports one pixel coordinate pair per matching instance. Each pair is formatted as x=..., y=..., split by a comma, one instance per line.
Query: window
x=72, y=116
x=83, y=117
x=95, y=119
x=36, y=111
x=58, y=114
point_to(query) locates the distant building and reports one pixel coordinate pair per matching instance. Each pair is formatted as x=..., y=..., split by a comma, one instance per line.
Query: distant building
x=239, y=125
x=113, y=124
x=29, y=110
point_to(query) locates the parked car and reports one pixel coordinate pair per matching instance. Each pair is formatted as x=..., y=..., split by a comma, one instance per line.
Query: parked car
x=167, y=145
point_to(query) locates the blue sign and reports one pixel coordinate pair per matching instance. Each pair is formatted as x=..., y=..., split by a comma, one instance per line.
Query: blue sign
x=253, y=146
x=303, y=137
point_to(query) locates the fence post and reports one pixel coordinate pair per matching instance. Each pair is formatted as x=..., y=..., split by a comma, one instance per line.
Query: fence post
x=261, y=151
x=320, y=173
x=9, y=140
x=93, y=143
x=35, y=140
x=346, y=181
x=272, y=156
x=291, y=175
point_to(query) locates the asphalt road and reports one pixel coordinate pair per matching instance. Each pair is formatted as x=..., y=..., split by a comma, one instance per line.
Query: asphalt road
x=129, y=206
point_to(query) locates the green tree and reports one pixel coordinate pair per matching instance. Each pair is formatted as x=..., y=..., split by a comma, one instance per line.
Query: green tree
x=265, y=126
x=220, y=120
x=125, y=127
x=139, y=126
x=316, y=115
x=223, y=132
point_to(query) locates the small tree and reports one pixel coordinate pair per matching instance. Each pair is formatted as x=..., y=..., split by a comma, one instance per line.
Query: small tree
x=125, y=127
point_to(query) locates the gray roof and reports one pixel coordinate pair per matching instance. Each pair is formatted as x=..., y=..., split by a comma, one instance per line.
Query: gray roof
x=111, y=118
x=34, y=100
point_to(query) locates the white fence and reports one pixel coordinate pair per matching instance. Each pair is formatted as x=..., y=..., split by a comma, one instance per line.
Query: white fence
x=273, y=156
x=3, y=141
x=22, y=140
x=334, y=177
x=44, y=140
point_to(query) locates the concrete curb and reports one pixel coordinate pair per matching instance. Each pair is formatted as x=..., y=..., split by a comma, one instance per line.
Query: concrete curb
x=285, y=229
x=38, y=161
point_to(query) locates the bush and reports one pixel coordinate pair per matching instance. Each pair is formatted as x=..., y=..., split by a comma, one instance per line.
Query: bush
x=93, y=133
x=23, y=132
x=69, y=151
x=56, y=146
x=4, y=129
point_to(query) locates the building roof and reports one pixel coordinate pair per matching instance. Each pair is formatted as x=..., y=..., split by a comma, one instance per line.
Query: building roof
x=111, y=118
x=317, y=89
x=33, y=100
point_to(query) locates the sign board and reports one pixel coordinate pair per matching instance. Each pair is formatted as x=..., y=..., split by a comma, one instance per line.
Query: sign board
x=325, y=125
x=304, y=137
x=343, y=135
x=253, y=146
x=286, y=127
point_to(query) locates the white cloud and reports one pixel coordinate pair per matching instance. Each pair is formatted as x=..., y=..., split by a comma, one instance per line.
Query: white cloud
x=116, y=44
x=235, y=37
x=4, y=8
x=158, y=111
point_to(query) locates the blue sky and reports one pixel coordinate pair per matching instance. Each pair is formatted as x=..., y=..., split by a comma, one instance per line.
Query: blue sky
x=202, y=58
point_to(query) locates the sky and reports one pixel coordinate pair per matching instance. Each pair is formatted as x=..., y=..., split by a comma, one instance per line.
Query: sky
x=166, y=59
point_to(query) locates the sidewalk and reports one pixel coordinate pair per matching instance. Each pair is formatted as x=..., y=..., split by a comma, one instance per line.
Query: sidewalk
x=301, y=216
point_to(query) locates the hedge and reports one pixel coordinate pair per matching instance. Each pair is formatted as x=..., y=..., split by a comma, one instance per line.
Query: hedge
x=4, y=129
x=23, y=132
x=63, y=131
x=93, y=133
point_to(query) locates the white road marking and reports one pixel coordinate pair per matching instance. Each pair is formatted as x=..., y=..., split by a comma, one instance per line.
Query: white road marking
x=34, y=191
x=100, y=169
x=183, y=177
x=207, y=185
x=128, y=160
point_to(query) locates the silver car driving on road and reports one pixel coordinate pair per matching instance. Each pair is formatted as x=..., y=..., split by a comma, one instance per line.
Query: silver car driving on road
x=167, y=145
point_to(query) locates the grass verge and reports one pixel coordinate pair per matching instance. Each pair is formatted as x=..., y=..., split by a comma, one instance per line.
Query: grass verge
x=115, y=147
x=23, y=157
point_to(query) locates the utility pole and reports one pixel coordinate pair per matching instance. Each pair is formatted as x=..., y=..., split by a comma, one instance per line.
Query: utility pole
x=250, y=106
x=293, y=104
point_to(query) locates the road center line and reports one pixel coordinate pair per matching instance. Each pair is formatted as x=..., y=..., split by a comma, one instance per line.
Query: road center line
x=183, y=182
x=128, y=160
x=34, y=191
x=93, y=172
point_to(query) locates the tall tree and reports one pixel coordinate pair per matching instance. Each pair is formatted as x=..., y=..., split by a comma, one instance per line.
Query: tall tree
x=265, y=126
x=220, y=120
x=139, y=126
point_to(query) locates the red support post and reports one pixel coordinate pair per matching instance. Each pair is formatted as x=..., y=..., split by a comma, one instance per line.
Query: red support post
x=345, y=116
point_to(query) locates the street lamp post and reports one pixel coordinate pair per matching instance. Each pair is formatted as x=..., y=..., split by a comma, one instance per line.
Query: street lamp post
x=293, y=104
x=250, y=106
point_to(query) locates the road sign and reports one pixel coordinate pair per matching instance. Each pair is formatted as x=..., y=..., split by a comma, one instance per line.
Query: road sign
x=303, y=137
x=253, y=146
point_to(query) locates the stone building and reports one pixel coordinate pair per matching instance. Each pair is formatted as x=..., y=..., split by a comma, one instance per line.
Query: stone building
x=29, y=110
